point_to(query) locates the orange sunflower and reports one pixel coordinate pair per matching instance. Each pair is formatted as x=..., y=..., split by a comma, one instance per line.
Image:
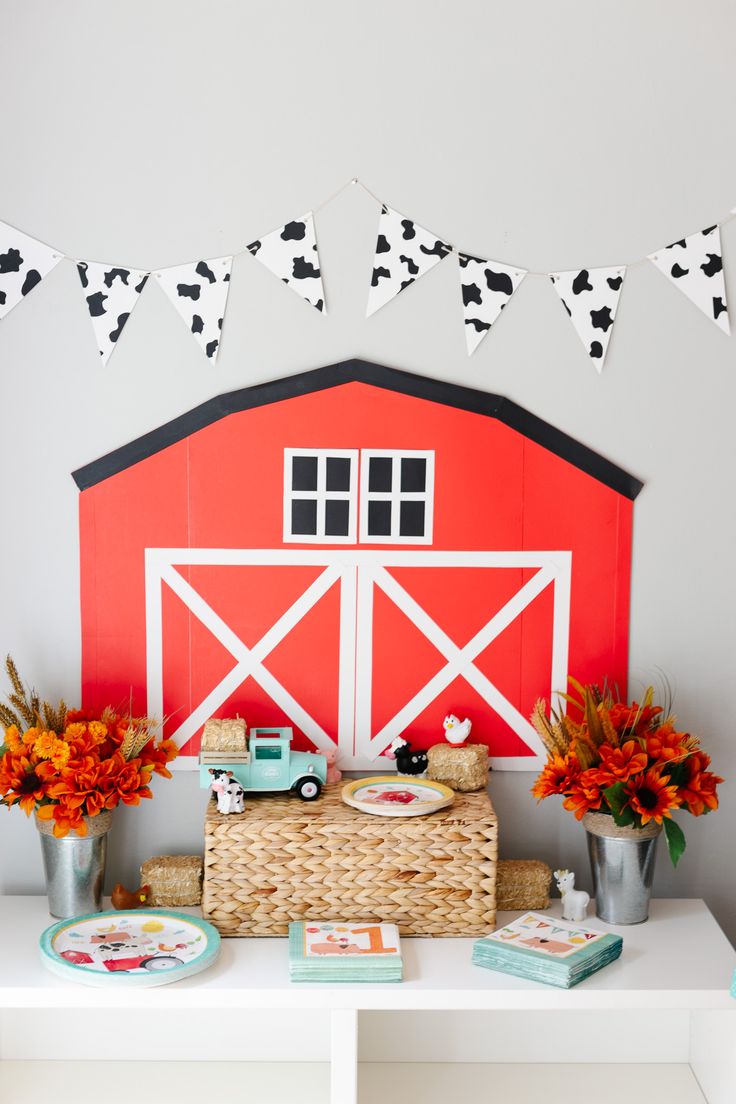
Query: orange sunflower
x=21, y=781
x=618, y=764
x=650, y=796
x=556, y=777
x=584, y=794
x=667, y=746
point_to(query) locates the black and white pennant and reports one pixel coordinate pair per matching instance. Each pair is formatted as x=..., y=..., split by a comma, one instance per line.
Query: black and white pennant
x=486, y=288
x=23, y=264
x=695, y=265
x=590, y=297
x=404, y=252
x=199, y=290
x=111, y=293
x=291, y=254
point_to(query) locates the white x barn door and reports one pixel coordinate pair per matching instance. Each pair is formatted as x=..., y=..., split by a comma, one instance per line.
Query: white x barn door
x=358, y=573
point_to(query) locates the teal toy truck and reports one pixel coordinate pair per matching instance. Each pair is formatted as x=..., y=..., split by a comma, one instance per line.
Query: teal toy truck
x=265, y=764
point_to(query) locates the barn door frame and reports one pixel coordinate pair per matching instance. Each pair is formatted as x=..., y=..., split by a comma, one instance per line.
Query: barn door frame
x=358, y=573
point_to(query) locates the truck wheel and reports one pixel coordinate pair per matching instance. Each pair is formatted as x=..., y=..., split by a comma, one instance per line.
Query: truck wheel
x=161, y=962
x=308, y=788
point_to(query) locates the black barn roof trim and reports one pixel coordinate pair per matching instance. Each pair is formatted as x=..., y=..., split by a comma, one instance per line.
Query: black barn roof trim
x=405, y=383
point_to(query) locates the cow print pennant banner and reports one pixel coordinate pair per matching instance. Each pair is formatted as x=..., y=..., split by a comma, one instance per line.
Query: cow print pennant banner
x=486, y=287
x=111, y=294
x=695, y=265
x=23, y=263
x=590, y=297
x=199, y=290
x=291, y=254
x=404, y=252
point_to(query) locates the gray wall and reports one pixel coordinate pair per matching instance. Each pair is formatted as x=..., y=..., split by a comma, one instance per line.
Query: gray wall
x=548, y=135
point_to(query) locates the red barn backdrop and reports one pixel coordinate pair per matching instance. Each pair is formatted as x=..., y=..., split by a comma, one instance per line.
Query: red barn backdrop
x=355, y=552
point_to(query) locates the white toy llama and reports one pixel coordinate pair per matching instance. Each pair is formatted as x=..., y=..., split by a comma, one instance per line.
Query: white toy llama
x=574, y=901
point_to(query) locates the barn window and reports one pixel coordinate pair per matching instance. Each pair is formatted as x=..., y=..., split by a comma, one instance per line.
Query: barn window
x=320, y=492
x=397, y=493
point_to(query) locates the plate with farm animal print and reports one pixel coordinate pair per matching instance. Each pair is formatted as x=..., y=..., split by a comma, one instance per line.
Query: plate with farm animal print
x=138, y=948
x=387, y=795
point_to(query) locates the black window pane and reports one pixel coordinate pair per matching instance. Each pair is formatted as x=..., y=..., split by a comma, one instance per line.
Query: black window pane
x=413, y=474
x=304, y=473
x=337, y=517
x=338, y=473
x=379, y=519
x=379, y=473
x=304, y=517
x=411, y=519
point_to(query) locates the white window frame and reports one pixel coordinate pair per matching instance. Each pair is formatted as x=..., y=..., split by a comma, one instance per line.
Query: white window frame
x=321, y=495
x=396, y=496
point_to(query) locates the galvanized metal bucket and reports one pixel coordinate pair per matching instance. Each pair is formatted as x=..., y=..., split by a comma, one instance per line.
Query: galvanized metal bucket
x=75, y=866
x=622, y=862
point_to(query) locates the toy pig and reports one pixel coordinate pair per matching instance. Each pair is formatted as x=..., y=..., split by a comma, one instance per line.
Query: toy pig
x=122, y=898
x=333, y=773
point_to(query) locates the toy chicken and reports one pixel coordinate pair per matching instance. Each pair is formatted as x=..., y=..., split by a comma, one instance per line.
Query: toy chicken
x=456, y=731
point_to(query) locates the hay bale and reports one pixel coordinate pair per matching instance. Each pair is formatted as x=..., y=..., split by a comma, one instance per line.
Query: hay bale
x=522, y=884
x=175, y=880
x=465, y=768
x=228, y=735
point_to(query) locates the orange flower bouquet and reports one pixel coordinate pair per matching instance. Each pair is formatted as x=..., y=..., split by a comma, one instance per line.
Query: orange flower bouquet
x=630, y=761
x=68, y=764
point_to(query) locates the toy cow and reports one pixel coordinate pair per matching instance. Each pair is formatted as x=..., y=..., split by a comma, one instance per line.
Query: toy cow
x=408, y=761
x=230, y=794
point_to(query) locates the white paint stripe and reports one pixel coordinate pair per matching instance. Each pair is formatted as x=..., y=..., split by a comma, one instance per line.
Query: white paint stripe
x=347, y=662
x=355, y=557
x=364, y=665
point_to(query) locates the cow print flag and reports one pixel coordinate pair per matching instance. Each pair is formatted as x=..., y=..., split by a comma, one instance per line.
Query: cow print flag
x=404, y=252
x=695, y=265
x=111, y=294
x=23, y=263
x=199, y=290
x=486, y=287
x=291, y=254
x=590, y=297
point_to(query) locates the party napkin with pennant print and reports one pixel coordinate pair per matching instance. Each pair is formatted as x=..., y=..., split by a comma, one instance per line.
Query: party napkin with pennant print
x=404, y=252
x=590, y=297
x=541, y=948
x=199, y=290
x=695, y=265
x=23, y=264
x=111, y=294
x=291, y=254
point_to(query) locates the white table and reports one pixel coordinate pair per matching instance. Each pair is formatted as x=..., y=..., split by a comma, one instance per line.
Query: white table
x=660, y=1020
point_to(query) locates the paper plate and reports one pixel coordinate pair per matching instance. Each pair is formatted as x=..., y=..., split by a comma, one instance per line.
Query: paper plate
x=139, y=947
x=387, y=795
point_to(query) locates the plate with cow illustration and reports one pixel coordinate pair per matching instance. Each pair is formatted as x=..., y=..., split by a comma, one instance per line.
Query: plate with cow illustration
x=387, y=795
x=135, y=948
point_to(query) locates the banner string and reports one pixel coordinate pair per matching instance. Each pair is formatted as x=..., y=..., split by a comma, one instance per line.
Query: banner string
x=57, y=253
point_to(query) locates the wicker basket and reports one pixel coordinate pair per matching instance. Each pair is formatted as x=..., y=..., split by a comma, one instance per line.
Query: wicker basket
x=284, y=859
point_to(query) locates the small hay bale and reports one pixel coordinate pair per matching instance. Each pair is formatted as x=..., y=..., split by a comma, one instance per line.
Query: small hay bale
x=225, y=735
x=465, y=768
x=175, y=880
x=522, y=884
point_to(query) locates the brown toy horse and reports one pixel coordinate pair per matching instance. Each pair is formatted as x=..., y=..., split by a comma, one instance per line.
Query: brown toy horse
x=122, y=898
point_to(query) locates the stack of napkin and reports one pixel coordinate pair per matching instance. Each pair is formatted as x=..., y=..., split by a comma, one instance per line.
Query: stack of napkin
x=541, y=948
x=322, y=951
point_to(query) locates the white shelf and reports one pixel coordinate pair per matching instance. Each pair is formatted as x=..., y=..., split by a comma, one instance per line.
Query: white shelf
x=379, y=1083
x=668, y=991
x=679, y=959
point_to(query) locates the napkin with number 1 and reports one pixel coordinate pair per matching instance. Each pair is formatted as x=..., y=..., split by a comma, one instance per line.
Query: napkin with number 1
x=344, y=952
